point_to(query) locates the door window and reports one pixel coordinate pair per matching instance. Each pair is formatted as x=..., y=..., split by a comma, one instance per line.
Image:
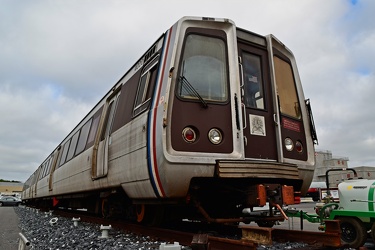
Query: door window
x=253, y=82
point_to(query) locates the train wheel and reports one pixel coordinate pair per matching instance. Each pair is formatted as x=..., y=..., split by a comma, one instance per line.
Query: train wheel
x=268, y=224
x=144, y=214
x=148, y=214
x=373, y=232
x=159, y=215
x=105, y=208
x=140, y=211
x=353, y=232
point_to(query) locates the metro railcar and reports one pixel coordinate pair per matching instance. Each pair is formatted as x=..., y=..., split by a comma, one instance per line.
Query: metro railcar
x=211, y=120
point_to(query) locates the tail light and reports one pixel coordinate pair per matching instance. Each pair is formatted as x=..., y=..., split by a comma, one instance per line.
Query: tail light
x=189, y=135
x=299, y=147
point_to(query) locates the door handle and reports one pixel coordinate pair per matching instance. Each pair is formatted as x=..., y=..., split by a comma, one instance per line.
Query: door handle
x=244, y=115
x=275, y=119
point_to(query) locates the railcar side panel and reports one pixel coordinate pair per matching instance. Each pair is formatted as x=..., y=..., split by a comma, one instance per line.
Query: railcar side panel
x=73, y=175
x=128, y=159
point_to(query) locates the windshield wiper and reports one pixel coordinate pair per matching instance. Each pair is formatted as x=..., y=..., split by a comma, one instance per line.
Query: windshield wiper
x=191, y=90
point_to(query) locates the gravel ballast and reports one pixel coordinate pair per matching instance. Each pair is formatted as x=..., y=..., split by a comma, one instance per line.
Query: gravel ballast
x=36, y=227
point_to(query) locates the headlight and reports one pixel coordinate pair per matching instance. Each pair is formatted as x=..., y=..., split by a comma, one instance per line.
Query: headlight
x=215, y=137
x=288, y=144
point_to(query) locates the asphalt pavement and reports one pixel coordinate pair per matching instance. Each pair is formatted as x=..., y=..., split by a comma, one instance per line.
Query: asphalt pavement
x=294, y=223
x=9, y=231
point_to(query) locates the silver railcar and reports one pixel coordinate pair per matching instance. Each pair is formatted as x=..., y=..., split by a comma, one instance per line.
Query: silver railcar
x=212, y=119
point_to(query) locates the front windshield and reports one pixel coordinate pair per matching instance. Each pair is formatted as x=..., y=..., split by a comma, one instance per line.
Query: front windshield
x=204, y=65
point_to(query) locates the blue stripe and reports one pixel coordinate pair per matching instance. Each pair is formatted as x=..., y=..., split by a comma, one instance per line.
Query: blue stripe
x=150, y=116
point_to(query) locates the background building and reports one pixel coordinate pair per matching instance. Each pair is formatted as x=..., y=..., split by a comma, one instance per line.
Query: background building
x=11, y=188
x=324, y=160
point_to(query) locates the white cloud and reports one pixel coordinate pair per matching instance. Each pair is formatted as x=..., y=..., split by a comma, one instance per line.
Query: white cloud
x=33, y=123
x=58, y=58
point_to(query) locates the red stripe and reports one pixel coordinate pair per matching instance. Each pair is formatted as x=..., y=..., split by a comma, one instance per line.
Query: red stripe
x=155, y=115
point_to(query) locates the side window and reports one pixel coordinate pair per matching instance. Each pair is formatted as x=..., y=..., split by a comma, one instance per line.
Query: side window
x=83, y=137
x=110, y=112
x=146, y=86
x=72, y=146
x=107, y=128
x=33, y=178
x=49, y=165
x=141, y=89
x=45, y=169
x=64, y=153
x=42, y=168
x=93, y=129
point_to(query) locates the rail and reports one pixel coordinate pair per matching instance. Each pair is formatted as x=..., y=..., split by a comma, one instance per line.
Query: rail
x=248, y=239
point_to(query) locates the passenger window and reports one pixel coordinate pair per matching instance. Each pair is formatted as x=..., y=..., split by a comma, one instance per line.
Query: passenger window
x=146, y=86
x=109, y=117
x=94, y=128
x=49, y=165
x=83, y=137
x=35, y=177
x=73, y=145
x=64, y=153
x=286, y=88
x=141, y=89
x=45, y=168
x=42, y=169
x=253, y=81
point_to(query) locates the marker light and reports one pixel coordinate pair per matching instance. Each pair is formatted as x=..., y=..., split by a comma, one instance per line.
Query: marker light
x=299, y=147
x=189, y=135
x=215, y=136
x=288, y=144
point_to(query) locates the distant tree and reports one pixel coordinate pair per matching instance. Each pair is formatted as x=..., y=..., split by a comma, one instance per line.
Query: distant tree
x=2, y=180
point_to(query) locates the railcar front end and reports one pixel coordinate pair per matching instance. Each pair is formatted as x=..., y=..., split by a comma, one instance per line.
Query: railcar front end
x=233, y=127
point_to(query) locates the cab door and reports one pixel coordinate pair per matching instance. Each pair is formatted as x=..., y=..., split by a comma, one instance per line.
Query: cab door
x=258, y=121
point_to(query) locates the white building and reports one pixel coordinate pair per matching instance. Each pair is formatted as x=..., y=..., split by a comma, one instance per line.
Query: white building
x=324, y=160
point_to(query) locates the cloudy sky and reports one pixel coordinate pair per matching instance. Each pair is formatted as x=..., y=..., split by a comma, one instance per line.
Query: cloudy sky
x=58, y=58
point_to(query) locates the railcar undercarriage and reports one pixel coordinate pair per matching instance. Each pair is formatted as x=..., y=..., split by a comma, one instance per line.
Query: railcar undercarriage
x=213, y=200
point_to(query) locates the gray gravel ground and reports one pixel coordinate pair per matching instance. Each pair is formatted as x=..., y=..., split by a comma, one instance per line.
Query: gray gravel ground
x=64, y=235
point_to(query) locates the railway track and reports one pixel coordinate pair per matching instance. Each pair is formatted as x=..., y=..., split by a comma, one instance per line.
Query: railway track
x=216, y=238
